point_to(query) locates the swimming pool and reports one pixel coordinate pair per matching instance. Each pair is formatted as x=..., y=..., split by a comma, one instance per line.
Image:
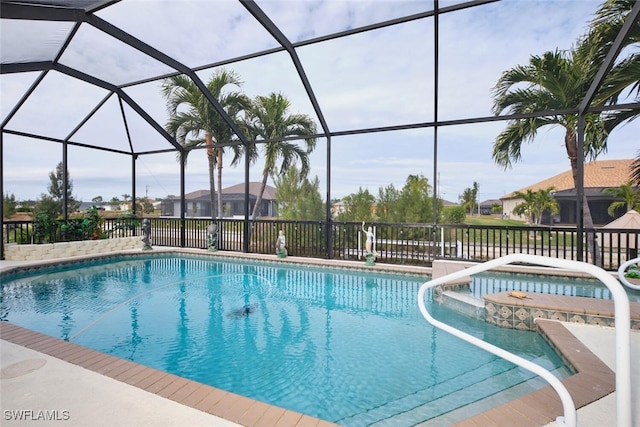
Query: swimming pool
x=346, y=346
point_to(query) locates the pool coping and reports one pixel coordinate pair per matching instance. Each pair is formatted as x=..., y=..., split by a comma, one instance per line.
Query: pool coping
x=7, y=267
x=592, y=381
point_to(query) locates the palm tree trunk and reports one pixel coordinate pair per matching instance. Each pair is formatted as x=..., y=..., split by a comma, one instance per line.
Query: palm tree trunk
x=219, y=166
x=263, y=185
x=256, y=207
x=210, y=158
x=593, y=248
x=592, y=242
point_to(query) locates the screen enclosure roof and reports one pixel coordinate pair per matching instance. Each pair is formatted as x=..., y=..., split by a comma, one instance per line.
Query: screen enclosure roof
x=89, y=73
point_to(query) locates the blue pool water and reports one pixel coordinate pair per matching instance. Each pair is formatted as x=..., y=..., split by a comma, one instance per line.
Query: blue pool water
x=489, y=283
x=346, y=346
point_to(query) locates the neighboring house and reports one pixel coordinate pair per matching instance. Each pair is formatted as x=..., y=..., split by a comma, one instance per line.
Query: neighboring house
x=598, y=176
x=198, y=203
x=486, y=207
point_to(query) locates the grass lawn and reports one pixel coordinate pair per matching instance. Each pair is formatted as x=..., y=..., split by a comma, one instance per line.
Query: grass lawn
x=512, y=237
x=493, y=220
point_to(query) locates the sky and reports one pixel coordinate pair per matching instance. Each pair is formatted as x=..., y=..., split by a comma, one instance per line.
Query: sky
x=366, y=80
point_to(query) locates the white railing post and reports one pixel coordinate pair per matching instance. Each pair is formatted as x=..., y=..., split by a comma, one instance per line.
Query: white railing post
x=622, y=331
x=621, y=272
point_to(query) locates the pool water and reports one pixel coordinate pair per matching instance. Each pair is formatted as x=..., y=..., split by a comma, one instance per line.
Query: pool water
x=494, y=282
x=346, y=346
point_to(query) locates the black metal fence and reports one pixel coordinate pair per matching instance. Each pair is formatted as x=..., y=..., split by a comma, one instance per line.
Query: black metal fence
x=418, y=244
x=481, y=243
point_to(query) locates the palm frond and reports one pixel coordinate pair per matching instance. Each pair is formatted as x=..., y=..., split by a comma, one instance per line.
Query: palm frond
x=635, y=170
x=595, y=136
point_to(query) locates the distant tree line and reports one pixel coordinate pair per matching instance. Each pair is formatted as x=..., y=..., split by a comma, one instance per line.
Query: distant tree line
x=413, y=203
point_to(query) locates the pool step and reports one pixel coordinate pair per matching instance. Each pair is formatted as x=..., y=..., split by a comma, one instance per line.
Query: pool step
x=463, y=301
x=456, y=393
x=500, y=398
x=446, y=388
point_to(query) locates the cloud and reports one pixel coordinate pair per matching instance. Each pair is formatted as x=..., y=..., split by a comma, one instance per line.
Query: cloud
x=33, y=45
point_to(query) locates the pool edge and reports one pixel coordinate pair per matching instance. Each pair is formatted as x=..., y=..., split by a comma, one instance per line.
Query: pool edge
x=202, y=397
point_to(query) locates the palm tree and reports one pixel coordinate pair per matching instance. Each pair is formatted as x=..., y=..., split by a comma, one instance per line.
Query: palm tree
x=535, y=203
x=554, y=81
x=627, y=197
x=269, y=119
x=526, y=206
x=635, y=170
x=191, y=114
x=560, y=80
x=605, y=27
x=542, y=201
x=469, y=198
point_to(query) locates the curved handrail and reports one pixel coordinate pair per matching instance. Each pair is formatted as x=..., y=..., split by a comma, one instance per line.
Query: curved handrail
x=623, y=268
x=622, y=331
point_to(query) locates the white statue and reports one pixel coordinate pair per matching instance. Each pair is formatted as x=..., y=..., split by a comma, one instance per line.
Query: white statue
x=369, y=243
x=212, y=237
x=281, y=245
x=146, y=232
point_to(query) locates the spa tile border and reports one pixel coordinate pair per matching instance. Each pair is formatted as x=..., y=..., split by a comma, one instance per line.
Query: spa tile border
x=214, y=401
x=509, y=312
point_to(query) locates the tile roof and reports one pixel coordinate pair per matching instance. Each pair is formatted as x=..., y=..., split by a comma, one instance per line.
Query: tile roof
x=198, y=194
x=254, y=189
x=491, y=202
x=597, y=174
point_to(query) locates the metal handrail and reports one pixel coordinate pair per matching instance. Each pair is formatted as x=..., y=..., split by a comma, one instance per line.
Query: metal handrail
x=623, y=268
x=622, y=331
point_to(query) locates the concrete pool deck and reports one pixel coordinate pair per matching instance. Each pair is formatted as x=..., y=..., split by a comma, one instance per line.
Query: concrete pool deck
x=601, y=341
x=74, y=396
x=78, y=387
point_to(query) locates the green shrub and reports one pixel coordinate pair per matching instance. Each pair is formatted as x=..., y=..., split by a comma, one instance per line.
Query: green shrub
x=87, y=227
x=453, y=215
x=44, y=228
